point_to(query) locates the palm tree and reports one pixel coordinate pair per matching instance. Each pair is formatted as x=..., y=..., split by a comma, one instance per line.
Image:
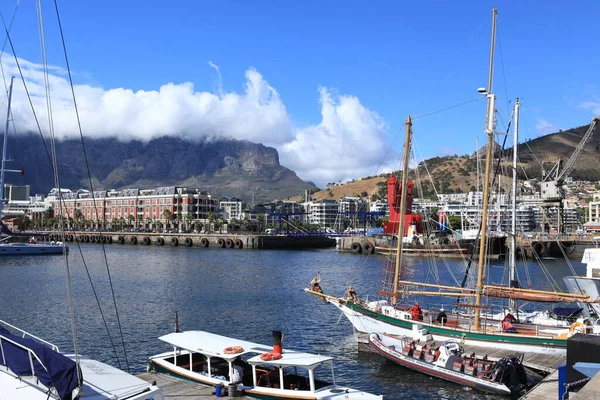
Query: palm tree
x=168, y=215
x=211, y=220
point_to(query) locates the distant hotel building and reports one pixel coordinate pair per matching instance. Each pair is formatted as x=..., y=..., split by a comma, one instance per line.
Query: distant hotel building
x=136, y=206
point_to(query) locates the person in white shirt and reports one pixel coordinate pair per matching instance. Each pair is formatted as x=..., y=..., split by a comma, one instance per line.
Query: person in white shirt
x=237, y=373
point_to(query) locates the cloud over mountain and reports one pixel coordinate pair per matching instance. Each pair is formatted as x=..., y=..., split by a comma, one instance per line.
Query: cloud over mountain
x=348, y=142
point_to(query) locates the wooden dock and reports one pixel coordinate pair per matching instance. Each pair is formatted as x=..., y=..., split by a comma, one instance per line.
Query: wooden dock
x=179, y=389
x=547, y=389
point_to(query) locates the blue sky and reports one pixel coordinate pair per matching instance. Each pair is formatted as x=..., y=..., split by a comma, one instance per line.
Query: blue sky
x=333, y=81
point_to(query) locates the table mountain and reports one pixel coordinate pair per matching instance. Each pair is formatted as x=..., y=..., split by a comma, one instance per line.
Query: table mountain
x=224, y=167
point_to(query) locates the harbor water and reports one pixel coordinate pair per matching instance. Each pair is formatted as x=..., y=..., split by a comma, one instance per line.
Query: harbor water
x=243, y=294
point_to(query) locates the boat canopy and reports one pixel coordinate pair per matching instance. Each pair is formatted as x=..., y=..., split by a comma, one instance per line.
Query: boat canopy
x=211, y=344
x=53, y=369
x=293, y=359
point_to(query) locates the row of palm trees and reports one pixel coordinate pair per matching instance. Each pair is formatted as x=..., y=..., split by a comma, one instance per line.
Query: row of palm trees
x=177, y=223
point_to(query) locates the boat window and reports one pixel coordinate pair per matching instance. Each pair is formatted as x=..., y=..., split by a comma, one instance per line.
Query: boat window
x=296, y=378
x=323, y=375
x=596, y=273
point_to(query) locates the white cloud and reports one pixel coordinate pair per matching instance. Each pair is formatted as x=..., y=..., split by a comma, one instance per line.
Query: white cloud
x=591, y=105
x=544, y=127
x=349, y=141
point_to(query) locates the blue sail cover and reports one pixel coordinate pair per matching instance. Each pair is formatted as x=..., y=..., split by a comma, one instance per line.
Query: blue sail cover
x=60, y=372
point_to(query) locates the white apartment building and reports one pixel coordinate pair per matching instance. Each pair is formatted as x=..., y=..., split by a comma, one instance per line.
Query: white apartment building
x=231, y=208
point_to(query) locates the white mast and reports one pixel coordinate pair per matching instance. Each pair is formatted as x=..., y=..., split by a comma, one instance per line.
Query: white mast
x=513, y=231
x=2, y=170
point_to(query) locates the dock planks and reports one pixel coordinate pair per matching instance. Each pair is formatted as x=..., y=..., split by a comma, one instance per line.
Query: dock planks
x=547, y=389
x=179, y=389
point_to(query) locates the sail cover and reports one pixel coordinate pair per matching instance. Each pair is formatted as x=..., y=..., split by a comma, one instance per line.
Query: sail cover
x=55, y=369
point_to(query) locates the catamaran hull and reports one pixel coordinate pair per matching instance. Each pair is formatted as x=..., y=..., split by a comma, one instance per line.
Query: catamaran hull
x=437, y=371
x=367, y=321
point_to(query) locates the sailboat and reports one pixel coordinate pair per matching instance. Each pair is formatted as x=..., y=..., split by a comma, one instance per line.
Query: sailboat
x=34, y=369
x=19, y=248
x=474, y=328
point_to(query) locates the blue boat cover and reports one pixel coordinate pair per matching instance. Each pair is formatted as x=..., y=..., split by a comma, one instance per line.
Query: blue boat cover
x=60, y=372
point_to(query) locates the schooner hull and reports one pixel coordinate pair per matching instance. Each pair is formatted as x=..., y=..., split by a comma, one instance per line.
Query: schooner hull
x=367, y=321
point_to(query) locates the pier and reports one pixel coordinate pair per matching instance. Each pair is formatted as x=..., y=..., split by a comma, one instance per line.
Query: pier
x=179, y=389
x=208, y=240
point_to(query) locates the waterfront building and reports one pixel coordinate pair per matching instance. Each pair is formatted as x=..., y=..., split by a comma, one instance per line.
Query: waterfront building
x=137, y=207
x=231, y=208
x=322, y=212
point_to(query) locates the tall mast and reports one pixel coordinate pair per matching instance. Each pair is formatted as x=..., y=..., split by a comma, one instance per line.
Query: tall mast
x=402, y=216
x=489, y=130
x=513, y=231
x=2, y=168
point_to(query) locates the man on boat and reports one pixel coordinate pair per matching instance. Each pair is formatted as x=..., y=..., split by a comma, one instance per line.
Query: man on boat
x=416, y=312
x=507, y=324
x=237, y=372
x=316, y=283
x=442, y=318
x=352, y=294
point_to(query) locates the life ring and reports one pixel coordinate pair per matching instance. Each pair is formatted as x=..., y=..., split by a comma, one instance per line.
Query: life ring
x=270, y=356
x=86, y=238
x=238, y=244
x=70, y=238
x=204, y=242
x=577, y=327
x=160, y=241
x=356, y=248
x=189, y=242
x=146, y=240
x=133, y=240
x=233, y=350
x=368, y=248
x=80, y=238
x=229, y=243
x=121, y=240
x=174, y=242
x=221, y=242
x=109, y=239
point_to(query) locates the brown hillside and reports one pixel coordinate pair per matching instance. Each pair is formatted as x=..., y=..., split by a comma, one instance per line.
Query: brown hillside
x=349, y=189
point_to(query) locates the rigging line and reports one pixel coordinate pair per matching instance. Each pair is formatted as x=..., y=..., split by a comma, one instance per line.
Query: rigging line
x=35, y=117
x=502, y=67
x=89, y=177
x=479, y=231
x=448, y=108
x=5, y=41
x=69, y=286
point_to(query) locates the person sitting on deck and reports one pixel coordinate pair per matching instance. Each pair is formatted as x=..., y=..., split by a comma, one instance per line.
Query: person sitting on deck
x=316, y=283
x=442, y=318
x=507, y=326
x=352, y=294
x=416, y=312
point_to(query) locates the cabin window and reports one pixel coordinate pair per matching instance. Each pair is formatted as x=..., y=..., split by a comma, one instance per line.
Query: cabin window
x=323, y=375
x=595, y=272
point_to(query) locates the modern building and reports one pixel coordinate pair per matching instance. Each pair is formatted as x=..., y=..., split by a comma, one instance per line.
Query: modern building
x=231, y=208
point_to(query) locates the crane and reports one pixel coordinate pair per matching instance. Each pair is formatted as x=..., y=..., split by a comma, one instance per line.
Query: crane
x=552, y=193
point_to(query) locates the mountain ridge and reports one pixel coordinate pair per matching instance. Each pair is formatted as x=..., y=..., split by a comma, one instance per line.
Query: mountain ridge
x=229, y=168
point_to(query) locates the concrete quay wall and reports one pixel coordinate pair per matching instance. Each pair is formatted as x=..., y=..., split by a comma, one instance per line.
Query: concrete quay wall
x=212, y=240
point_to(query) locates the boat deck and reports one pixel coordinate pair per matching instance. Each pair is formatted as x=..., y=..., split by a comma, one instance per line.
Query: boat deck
x=179, y=389
x=541, y=362
x=547, y=363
